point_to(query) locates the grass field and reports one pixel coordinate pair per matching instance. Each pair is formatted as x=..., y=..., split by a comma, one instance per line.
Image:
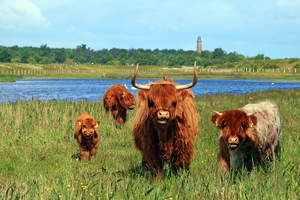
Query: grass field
x=15, y=71
x=38, y=155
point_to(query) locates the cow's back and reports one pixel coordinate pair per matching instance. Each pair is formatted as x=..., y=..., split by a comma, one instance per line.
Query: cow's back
x=113, y=93
x=268, y=127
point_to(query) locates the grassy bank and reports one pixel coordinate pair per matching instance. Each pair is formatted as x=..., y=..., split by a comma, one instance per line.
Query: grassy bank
x=9, y=78
x=38, y=155
x=248, y=70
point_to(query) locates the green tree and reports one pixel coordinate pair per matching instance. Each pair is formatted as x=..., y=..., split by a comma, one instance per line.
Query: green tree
x=5, y=56
x=15, y=60
x=81, y=59
x=104, y=60
x=45, y=60
x=218, y=53
x=122, y=61
x=207, y=63
x=60, y=56
x=31, y=60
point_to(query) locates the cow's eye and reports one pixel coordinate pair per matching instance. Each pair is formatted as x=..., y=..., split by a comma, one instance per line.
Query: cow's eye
x=174, y=104
x=224, y=124
x=244, y=126
x=150, y=103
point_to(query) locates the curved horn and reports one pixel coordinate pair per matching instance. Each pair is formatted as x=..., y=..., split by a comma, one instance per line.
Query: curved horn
x=218, y=113
x=252, y=113
x=138, y=86
x=191, y=84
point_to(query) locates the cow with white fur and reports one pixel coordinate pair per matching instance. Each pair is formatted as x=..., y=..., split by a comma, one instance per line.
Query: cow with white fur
x=248, y=135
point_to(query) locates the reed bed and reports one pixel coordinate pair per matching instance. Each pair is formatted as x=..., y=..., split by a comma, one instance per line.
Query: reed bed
x=39, y=155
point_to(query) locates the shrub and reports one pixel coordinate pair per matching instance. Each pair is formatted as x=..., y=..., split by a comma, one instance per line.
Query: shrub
x=207, y=63
x=15, y=60
x=270, y=66
x=292, y=60
x=297, y=66
x=267, y=58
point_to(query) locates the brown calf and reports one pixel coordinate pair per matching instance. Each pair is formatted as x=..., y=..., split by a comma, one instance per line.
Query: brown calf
x=248, y=135
x=117, y=100
x=87, y=136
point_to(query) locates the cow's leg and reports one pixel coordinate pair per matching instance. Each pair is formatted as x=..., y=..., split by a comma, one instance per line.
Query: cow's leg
x=107, y=112
x=93, y=152
x=122, y=118
x=180, y=161
x=115, y=115
x=85, y=155
x=223, y=165
x=94, y=149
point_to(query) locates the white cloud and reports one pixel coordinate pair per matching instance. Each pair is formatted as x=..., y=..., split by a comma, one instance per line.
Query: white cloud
x=292, y=3
x=20, y=13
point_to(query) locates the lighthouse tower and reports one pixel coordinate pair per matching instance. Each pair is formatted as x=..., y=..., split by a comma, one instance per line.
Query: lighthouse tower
x=199, y=45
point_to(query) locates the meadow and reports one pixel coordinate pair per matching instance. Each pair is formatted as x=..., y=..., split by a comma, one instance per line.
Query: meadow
x=285, y=71
x=39, y=155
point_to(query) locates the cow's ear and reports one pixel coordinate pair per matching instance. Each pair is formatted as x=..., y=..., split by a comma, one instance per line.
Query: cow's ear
x=182, y=95
x=79, y=122
x=253, y=120
x=97, y=123
x=142, y=94
x=123, y=94
x=214, y=119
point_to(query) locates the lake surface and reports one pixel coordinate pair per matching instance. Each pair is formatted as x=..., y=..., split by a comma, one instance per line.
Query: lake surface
x=94, y=89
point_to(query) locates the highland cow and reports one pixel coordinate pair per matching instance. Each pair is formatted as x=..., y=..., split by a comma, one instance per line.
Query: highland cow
x=117, y=100
x=248, y=136
x=166, y=123
x=87, y=136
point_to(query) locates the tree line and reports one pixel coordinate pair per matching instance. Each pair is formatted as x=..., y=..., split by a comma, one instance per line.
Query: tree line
x=126, y=57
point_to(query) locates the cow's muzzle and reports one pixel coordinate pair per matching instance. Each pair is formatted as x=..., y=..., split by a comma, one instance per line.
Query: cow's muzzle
x=233, y=143
x=88, y=134
x=131, y=107
x=163, y=117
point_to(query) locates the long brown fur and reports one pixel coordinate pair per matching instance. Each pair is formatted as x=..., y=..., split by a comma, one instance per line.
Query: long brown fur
x=170, y=143
x=86, y=135
x=117, y=100
x=258, y=135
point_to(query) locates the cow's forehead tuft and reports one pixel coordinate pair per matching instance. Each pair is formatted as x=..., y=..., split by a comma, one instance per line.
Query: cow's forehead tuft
x=234, y=117
x=89, y=121
x=163, y=89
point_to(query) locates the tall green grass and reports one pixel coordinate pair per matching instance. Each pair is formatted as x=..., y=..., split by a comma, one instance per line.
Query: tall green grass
x=38, y=155
x=9, y=78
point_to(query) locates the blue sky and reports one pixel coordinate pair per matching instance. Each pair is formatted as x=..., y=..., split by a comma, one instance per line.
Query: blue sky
x=269, y=27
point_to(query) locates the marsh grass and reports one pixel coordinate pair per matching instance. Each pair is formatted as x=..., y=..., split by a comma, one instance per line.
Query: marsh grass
x=38, y=155
x=9, y=77
x=15, y=71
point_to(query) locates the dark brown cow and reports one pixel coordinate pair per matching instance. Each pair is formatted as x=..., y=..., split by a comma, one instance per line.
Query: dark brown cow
x=248, y=135
x=87, y=135
x=117, y=100
x=166, y=123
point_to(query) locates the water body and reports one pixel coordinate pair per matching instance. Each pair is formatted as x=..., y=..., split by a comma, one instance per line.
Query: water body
x=94, y=89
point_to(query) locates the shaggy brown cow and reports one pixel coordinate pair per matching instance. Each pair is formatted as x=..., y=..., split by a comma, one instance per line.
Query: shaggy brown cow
x=248, y=135
x=86, y=135
x=118, y=100
x=166, y=123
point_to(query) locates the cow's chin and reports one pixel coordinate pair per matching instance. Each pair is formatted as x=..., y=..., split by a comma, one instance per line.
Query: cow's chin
x=131, y=107
x=88, y=136
x=233, y=146
x=162, y=122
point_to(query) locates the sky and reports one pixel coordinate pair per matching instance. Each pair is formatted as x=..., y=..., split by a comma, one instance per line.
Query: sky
x=248, y=27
